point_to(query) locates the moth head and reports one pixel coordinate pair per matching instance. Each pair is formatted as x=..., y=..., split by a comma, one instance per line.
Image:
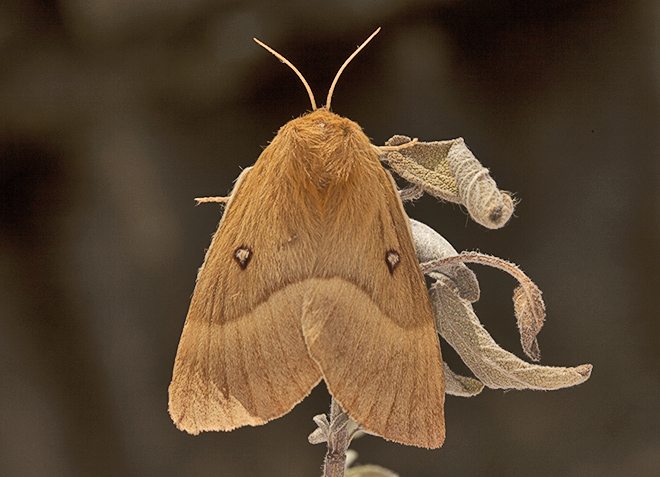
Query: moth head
x=322, y=125
x=326, y=146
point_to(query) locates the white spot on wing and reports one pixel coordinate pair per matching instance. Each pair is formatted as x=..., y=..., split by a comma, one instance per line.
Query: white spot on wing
x=392, y=259
x=243, y=255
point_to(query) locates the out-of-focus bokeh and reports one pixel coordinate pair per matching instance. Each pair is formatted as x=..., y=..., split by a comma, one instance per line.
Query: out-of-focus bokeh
x=114, y=115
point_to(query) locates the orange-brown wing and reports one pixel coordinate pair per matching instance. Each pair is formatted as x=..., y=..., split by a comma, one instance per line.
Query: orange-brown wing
x=368, y=321
x=242, y=359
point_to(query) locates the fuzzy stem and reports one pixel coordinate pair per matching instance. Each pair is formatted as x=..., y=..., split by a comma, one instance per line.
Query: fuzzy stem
x=338, y=440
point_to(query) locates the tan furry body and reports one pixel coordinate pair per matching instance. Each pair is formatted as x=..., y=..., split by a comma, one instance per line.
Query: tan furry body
x=312, y=275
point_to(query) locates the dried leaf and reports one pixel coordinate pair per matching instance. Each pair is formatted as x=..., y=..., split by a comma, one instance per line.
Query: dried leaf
x=321, y=433
x=429, y=246
x=493, y=366
x=530, y=317
x=317, y=437
x=448, y=170
x=527, y=301
x=463, y=386
x=424, y=166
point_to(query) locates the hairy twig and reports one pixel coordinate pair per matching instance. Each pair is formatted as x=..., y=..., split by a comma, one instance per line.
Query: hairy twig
x=338, y=441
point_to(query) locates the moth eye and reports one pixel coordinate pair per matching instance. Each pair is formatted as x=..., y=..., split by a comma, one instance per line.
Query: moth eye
x=392, y=260
x=242, y=255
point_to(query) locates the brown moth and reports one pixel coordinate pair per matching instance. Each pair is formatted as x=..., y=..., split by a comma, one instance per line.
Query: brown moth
x=312, y=275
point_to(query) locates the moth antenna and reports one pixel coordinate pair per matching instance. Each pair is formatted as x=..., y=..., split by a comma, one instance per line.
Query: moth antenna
x=287, y=62
x=334, y=82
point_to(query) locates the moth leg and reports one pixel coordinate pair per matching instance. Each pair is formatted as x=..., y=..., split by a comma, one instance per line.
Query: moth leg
x=204, y=200
x=410, y=193
x=403, y=142
x=430, y=246
x=224, y=200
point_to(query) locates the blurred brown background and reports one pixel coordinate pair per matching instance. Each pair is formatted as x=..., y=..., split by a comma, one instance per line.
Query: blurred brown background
x=115, y=114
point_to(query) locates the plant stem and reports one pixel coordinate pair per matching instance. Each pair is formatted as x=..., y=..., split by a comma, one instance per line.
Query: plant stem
x=335, y=458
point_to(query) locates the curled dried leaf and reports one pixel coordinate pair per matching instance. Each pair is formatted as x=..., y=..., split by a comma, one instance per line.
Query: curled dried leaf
x=448, y=170
x=458, y=385
x=429, y=246
x=486, y=204
x=493, y=366
x=528, y=303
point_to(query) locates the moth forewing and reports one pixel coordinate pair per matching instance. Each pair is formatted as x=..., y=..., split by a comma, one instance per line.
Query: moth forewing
x=242, y=359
